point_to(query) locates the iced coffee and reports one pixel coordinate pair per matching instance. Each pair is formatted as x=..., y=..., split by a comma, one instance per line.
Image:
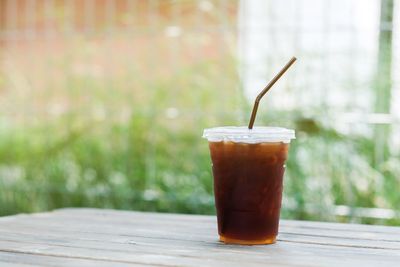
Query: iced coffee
x=248, y=167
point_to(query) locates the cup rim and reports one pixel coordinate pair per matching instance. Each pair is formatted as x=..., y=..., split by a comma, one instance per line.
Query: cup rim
x=242, y=134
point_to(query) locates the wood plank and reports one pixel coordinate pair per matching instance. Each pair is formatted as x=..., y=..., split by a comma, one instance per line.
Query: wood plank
x=87, y=212
x=123, y=256
x=162, y=229
x=146, y=245
x=178, y=220
x=343, y=226
x=13, y=264
x=279, y=254
x=106, y=232
x=146, y=242
x=13, y=259
x=107, y=236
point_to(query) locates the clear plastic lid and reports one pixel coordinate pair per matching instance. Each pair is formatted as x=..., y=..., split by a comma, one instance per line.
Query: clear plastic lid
x=244, y=135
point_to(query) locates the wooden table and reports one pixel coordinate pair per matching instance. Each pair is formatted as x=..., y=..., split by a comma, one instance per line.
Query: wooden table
x=91, y=237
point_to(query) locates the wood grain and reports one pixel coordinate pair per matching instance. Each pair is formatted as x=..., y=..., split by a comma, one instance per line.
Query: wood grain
x=28, y=260
x=91, y=237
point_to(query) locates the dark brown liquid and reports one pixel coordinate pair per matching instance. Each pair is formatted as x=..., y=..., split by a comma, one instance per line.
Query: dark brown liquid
x=248, y=188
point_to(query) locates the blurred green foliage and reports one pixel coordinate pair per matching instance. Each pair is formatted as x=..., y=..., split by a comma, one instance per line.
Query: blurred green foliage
x=154, y=159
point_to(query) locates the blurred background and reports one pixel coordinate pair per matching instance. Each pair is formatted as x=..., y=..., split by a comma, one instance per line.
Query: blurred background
x=103, y=102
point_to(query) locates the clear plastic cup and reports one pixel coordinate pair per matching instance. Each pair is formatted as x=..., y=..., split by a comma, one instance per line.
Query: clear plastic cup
x=248, y=167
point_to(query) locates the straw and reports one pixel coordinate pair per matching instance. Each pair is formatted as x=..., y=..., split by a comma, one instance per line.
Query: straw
x=266, y=89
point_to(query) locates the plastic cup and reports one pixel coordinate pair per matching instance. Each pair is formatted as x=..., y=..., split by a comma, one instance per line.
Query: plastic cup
x=248, y=167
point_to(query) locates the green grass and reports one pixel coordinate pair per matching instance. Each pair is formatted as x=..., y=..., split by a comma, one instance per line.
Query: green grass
x=147, y=153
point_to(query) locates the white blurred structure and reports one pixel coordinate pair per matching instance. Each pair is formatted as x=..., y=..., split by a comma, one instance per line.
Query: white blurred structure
x=335, y=41
x=337, y=45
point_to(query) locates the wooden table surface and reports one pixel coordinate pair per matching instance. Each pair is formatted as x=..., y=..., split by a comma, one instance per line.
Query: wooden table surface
x=93, y=237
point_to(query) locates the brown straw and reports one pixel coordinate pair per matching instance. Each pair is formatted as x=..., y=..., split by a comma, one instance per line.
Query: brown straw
x=266, y=89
